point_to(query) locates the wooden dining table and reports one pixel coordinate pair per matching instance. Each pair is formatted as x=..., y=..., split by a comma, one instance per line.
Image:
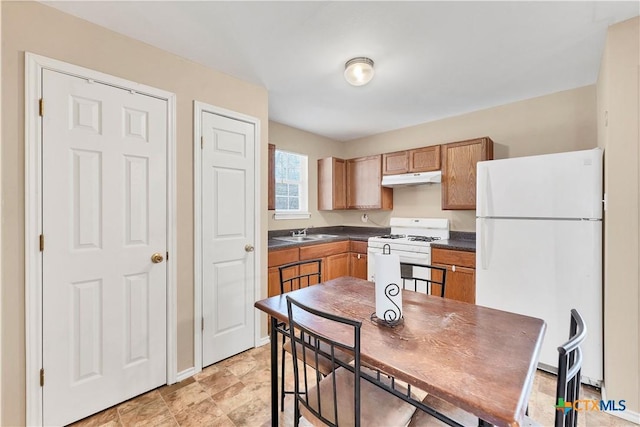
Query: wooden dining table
x=476, y=358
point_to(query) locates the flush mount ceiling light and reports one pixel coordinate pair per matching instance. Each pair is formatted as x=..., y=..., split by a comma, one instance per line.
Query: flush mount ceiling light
x=359, y=71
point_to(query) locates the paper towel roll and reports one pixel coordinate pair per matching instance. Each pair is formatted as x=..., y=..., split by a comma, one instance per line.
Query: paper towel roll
x=388, y=291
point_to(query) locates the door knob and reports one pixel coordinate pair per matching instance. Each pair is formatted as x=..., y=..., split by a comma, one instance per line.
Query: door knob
x=157, y=258
x=248, y=248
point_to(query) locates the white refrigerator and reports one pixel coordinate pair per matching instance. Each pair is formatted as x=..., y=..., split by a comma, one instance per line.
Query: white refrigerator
x=539, y=246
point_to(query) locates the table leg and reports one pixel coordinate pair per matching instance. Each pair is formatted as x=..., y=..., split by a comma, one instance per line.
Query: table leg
x=274, y=372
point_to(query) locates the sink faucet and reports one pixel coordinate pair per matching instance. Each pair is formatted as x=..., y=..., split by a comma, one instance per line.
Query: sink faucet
x=302, y=232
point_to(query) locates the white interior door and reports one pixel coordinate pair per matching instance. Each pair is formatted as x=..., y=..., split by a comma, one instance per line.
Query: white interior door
x=228, y=280
x=104, y=215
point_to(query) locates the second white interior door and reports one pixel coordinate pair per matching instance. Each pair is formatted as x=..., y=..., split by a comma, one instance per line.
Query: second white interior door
x=228, y=233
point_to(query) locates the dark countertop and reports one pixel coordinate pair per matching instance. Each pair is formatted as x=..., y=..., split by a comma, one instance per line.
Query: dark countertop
x=342, y=232
x=459, y=241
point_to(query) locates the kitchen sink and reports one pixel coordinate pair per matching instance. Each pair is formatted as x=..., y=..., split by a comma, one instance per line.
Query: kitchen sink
x=309, y=238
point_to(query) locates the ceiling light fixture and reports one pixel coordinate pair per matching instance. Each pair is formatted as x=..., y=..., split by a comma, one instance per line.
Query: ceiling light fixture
x=359, y=71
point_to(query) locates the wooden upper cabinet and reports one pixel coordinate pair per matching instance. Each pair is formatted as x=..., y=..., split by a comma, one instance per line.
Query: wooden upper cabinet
x=364, y=189
x=332, y=184
x=395, y=163
x=425, y=159
x=271, y=199
x=459, y=171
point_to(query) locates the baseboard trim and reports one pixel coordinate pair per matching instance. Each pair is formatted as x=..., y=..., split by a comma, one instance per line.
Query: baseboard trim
x=263, y=341
x=631, y=416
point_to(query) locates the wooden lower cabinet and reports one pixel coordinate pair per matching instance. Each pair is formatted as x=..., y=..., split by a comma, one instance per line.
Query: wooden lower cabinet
x=461, y=273
x=346, y=258
x=358, y=260
x=277, y=258
x=336, y=266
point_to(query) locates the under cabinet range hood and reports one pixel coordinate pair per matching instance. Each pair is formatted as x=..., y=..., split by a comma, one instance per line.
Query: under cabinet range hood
x=412, y=179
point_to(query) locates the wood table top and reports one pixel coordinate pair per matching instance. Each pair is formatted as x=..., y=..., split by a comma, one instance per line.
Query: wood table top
x=479, y=359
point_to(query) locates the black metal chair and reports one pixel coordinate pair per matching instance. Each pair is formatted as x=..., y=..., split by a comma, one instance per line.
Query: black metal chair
x=569, y=367
x=344, y=397
x=294, y=276
x=568, y=386
x=427, y=279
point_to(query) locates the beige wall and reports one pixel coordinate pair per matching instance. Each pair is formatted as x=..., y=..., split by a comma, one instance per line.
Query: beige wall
x=562, y=121
x=33, y=27
x=314, y=147
x=619, y=134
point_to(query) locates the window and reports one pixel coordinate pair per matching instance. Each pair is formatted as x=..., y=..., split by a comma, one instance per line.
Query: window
x=291, y=185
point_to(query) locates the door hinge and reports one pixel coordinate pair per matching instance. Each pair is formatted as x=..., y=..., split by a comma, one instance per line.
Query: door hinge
x=167, y=255
x=41, y=242
x=202, y=324
x=41, y=107
x=42, y=377
x=202, y=142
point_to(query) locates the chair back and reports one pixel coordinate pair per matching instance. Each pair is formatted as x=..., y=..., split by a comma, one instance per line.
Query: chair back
x=427, y=279
x=311, y=343
x=569, y=366
x=300, y=274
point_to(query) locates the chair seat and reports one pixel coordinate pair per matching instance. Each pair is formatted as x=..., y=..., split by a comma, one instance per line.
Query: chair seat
x=377, y=407
x=324, y=365
x=422, y=419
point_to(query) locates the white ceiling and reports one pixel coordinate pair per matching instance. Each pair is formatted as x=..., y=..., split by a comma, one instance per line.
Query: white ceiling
x=433, y=59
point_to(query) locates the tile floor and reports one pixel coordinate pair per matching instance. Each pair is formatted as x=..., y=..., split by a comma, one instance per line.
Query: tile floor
x=236, y=392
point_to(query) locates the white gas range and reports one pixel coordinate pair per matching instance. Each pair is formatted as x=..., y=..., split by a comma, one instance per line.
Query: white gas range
x=410, y=238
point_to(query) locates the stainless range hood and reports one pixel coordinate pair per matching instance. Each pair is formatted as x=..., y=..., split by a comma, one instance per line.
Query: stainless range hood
x=411, y=179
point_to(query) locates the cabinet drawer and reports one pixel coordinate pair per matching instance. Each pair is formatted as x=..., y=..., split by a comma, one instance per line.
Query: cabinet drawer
x=323, y=250
x=360, y=247
x=453, y=257
x=283, y=256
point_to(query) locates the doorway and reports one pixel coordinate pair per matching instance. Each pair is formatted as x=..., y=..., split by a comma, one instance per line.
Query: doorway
x=100, y=301
x=227, y=201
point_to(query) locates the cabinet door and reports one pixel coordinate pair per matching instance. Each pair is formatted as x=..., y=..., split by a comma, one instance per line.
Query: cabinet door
x=336, y=266
x=358, y=265
x=460, y=284
x=274, y=281
x=364, y=189
x=271, y=199
x=424, y=159
x=459, y=171
x=332, y=184
x=395, y=163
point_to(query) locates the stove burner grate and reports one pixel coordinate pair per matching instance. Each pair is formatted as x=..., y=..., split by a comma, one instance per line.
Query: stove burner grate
x=423, y=238
x=392, y=236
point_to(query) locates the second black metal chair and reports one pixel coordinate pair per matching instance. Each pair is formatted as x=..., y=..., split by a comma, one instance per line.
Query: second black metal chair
x=344, y=397
x=427, y=279
x=294, y=276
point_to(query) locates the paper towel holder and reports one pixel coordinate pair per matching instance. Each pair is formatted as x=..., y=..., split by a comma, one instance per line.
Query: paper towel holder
x=391, y=290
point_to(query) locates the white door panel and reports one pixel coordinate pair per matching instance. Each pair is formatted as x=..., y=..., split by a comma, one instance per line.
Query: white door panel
x=544, y=268
x=227, y=228
x=104, y=215
x=561, y=185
